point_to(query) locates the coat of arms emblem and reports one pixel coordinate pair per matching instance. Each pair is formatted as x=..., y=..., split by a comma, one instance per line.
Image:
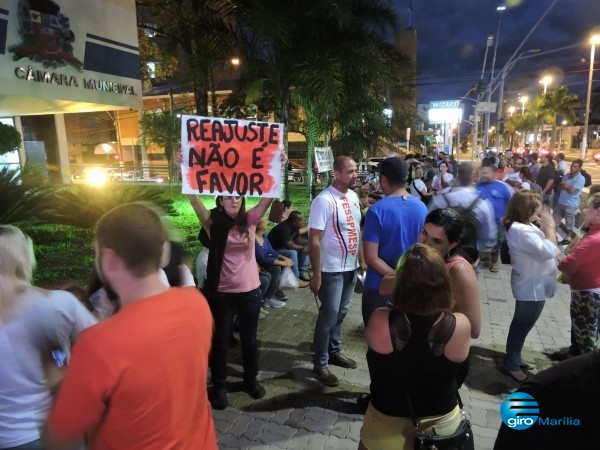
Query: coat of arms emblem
x=46, y=34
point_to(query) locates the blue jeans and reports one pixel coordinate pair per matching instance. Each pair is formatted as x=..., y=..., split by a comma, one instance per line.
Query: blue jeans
x=371, y=300
x=336, y=296
x=299, y=258
x=526, y=314
x=275, y=274
x=223, y=306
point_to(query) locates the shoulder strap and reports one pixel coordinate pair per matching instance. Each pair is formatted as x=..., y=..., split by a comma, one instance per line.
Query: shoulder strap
x=446, y=199
x=472, y=205
x=413, y=185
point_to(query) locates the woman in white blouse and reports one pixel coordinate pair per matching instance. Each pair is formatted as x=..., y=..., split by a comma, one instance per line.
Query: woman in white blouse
x=442, y=181
x=533, y=277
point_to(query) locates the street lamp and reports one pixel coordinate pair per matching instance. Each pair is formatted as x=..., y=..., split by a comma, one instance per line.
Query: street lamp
x=500, y=10
x=546, y=80
x=584, y=143
x=524, y=100
x=490, y=41
x=511, y=110
x=502, y=77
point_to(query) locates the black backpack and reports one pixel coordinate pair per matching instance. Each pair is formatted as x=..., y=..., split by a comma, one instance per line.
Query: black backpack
x=470, y=234
x=588, y=178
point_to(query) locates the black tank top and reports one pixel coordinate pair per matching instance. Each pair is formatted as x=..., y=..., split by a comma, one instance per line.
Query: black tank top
x=430, y=379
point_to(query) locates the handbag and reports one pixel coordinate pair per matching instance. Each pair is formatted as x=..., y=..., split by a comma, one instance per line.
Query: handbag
x=288, y=280
x=562, y=278
x=461, y=439
x=504, y=251
x=424, y=198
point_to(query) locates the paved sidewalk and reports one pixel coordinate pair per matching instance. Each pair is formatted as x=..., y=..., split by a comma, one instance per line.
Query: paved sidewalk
x=298, y=412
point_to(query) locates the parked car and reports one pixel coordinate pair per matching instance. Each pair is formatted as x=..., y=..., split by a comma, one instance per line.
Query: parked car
x=296, y=172
x=132, y=175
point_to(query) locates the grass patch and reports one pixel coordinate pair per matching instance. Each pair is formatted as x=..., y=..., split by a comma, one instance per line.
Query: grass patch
x=66, y=253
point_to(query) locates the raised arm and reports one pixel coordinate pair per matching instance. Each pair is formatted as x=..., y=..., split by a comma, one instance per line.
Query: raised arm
x=201, y=212
x=262, y=206
x=265, y=203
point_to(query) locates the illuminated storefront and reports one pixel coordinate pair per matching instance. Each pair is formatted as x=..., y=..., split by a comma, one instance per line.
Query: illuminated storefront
x=62, y=57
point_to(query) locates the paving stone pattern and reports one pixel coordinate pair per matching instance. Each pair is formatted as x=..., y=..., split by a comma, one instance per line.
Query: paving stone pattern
x=298, y=412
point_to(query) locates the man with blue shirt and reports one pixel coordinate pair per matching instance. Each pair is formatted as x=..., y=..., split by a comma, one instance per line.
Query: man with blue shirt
x=392, y=225
x=568, y=202
x=498, y=194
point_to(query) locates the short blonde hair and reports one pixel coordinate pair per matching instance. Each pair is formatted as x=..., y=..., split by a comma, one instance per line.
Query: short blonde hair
x=17, y=263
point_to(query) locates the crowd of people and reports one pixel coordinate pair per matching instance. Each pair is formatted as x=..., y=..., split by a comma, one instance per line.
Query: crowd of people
x=147, y=339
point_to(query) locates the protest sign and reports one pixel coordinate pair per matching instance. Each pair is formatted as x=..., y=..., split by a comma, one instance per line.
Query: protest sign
x=324, y=159
x=231, y=157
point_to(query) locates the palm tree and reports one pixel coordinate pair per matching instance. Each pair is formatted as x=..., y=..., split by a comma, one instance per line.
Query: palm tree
x=525, y=123
x=162, y=129
x=558, y=102
x=309, y=55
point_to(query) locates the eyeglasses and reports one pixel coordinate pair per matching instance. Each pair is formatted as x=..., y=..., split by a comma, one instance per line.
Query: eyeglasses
x=231, y=198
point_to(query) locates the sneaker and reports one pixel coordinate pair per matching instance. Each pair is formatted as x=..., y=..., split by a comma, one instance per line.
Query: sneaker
x=564, y=242
x=218, y=399
x=325, y=376
x=304, y=277
x=273, y=303
x=263, y=313
x=339, y=359
x=280, y=295
x=255, y=390
x=303, y=284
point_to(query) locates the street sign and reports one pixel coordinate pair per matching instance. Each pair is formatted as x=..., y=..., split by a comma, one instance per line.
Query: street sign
x=486, y=107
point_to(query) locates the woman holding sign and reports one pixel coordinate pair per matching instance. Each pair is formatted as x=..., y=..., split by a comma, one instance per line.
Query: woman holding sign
x=232, y=285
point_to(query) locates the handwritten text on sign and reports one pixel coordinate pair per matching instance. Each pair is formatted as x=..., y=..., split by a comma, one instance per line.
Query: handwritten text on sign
x=231, y=157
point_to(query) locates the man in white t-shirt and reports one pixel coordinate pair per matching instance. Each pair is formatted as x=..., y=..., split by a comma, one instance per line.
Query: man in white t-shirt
x=513, y=178
x=334, y=242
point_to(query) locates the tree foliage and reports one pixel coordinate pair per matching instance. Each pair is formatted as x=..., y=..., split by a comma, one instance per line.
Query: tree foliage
x=22, y=199
x=10, y=138
x=151, y=51
x=328, y=59
x=83, y=205
x=558, y=102
x=544, y=109
x=202, y=29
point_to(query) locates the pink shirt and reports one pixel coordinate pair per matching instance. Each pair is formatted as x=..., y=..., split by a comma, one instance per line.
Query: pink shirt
x=239, y=271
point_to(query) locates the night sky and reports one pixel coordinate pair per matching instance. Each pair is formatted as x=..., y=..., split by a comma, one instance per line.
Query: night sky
x=452, y=37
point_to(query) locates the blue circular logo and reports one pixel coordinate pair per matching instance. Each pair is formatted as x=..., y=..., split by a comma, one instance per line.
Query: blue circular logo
x=519, y=411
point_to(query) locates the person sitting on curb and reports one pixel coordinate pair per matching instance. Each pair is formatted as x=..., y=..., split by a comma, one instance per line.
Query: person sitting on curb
x=272, y=262
x=284, y=237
